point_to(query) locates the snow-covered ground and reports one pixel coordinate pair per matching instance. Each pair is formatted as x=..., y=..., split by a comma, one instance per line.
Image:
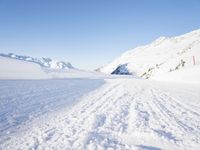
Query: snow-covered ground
x=90, y=110
x=22, y=101
x=124, y=113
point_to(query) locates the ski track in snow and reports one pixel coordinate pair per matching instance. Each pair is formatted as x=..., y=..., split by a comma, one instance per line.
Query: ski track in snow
x=121, y=114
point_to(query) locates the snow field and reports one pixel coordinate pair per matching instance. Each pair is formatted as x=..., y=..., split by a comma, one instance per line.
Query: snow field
x=121, y=114
x=24, y=101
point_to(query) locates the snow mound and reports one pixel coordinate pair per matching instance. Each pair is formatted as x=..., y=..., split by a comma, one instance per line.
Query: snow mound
x=163, y=56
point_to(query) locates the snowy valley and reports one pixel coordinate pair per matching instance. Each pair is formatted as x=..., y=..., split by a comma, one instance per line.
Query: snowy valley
x=148, y=99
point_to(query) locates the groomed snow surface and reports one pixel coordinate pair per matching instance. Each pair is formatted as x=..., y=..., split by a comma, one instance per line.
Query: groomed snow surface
x=118, y=113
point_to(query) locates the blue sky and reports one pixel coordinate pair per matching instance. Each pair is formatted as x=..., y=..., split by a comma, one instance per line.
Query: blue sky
x=90, y=33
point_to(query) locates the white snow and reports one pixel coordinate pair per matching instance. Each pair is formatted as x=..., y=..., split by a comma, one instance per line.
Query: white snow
x=188, y=75
x=22, y=101
x=121, y=114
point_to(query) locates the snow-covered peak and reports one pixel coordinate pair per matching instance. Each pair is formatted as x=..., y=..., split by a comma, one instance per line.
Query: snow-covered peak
x=159, y=57
x=43, y=62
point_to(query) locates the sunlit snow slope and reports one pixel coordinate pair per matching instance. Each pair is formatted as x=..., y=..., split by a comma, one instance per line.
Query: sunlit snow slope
x=163, y=56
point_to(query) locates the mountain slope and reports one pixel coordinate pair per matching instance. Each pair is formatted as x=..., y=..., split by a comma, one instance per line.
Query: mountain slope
x=162, y=56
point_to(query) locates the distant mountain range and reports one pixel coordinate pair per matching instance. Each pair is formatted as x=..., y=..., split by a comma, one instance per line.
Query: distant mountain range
x=164, y=55
x=43, y=62
x=14, y=66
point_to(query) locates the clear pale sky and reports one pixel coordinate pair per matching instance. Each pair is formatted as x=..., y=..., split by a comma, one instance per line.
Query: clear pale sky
x=90, y=33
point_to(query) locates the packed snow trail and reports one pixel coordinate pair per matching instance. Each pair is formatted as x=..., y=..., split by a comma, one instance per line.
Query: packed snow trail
x=121, y=114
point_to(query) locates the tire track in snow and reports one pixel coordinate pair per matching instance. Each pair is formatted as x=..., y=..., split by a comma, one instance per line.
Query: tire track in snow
x=184, y=128
x=172, y=106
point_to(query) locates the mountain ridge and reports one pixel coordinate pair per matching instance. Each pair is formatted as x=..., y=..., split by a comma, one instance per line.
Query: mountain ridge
x=43, y=62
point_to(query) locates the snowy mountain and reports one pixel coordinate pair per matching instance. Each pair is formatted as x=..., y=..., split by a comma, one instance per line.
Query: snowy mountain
x=14, y=66
x=24, y=67
x=163, y=56
x=43, y=62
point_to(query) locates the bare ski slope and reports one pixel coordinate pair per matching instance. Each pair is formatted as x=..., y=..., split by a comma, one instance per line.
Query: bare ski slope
x=121, y=114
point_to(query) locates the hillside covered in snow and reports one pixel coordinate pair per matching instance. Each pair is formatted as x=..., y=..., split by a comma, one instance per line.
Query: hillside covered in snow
x=160, y=59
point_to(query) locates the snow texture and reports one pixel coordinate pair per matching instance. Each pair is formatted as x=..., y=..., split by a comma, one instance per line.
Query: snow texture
x=120, y=114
